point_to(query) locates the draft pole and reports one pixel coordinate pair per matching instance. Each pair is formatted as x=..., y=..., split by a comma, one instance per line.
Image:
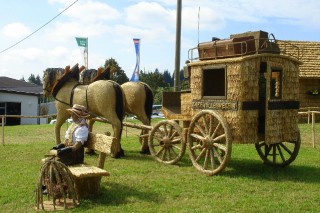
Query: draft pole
x=178, y=44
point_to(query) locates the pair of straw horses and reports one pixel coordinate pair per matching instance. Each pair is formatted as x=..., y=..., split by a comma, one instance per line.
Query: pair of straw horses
x=103, y=98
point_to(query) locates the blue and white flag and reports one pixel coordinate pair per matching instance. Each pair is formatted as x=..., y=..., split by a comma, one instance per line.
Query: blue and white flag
x=135, y=75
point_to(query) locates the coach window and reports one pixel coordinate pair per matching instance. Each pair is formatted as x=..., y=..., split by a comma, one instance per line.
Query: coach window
x=276, y=84
x=214, y=82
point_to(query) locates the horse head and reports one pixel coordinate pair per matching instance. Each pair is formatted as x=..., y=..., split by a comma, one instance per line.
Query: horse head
x=86, y=76
x=50, y=76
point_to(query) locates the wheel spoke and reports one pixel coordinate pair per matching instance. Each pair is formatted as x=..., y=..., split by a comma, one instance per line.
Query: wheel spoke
x=170, y=131
x=285, y=148
x=205, y=164
x=205, y=124
x=210, y=125
x=212, y=159
x=198, y=146
x=262, y=144
x=274, y=153
x=165, y=130
x=215, y=130
x=176, y=141
x=267, y=150
x=158, y=137
x=164, y=153
x=168, y=154
x=200, y=129
x=171, y=136
x=219, y=137
x=280, y=152
x=200, y=155
x=172, y=151
x=177, y=147
x=162, y=148
x=220, y=146
x=196, y=136
x=216, y=153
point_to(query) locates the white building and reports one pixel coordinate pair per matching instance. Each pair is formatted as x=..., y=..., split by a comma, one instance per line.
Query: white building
x=19, y=98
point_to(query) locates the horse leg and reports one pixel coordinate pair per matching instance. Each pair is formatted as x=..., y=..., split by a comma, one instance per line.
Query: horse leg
x=144, y=137
x=116, y=150
x=61, y=118
x=90, y=127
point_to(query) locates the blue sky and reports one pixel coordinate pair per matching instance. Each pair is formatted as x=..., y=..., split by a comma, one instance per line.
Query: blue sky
x=111, y=25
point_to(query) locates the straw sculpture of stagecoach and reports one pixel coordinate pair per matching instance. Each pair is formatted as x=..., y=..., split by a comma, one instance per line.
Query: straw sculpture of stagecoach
x=242, y=90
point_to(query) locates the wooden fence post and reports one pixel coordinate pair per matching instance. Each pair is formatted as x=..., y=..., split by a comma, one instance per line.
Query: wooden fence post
x=313, y=130
x=2, y=122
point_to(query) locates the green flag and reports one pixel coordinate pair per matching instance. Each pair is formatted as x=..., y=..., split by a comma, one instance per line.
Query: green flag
x=82, y=42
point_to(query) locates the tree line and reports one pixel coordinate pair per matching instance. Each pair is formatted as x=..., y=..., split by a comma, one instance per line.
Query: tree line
x=158, y=81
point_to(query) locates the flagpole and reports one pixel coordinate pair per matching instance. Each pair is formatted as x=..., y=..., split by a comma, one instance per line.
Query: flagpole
x=87, y=53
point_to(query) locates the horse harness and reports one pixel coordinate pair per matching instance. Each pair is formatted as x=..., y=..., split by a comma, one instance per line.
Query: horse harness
x=58, y=86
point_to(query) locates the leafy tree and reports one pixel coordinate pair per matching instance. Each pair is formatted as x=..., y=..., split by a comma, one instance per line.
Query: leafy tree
x=119, y=75
x=22, y=79
x=153, y=79
x=38, y=80
x=34, y=80
x=167, y=78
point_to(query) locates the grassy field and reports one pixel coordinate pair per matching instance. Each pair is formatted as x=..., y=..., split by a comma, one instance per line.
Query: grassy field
x=140, y=184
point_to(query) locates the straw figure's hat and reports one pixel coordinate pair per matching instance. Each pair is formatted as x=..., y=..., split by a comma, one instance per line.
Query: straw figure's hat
x=79, y=111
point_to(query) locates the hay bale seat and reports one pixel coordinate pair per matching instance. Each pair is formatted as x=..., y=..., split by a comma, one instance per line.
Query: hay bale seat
x=87, y=178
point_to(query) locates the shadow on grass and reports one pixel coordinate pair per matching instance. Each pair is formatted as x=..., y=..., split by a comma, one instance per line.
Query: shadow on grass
x=136, y=155
x=116, y=194
x=257, y=170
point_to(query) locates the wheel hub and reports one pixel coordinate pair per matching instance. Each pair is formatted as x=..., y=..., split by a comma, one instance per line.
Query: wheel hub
x=207, y=142
x=166, y=142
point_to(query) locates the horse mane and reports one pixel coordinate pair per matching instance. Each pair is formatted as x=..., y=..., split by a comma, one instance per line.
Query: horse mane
x=103, y=74
x=68, y=73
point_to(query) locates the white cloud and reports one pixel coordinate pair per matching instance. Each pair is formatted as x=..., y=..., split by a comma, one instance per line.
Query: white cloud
x=16, y=30
x=92, y=11
x=150, y=15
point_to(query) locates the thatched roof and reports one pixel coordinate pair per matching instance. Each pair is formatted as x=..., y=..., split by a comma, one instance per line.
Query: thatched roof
x=309, y=55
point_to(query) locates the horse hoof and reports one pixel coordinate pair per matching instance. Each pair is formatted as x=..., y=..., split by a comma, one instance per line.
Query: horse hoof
x=145, y=152
x=119, y=154
x=90, y=152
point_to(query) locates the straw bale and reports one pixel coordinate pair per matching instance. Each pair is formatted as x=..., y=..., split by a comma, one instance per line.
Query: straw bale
x=83, y=171
x=186, y=104
x=100, y=142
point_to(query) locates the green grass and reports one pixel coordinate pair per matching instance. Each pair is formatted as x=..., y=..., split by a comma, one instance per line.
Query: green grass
x=139, y=184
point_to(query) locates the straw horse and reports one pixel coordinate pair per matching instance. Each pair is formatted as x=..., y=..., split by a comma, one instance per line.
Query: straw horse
x=138, y=99
x=102, y=98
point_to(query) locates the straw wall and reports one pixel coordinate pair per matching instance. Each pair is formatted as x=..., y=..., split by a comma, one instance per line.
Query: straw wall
x=282, y=125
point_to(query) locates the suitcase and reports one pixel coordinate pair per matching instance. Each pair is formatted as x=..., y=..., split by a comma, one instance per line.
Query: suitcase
x=226, y=48
x=262, y=42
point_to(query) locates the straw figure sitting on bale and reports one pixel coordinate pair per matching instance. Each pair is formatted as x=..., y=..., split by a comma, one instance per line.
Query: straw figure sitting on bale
x=72, y=151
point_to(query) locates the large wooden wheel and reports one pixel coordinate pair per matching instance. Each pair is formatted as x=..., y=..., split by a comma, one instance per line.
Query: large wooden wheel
x=209, y=142
x=166, y=143
x=279, y=154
